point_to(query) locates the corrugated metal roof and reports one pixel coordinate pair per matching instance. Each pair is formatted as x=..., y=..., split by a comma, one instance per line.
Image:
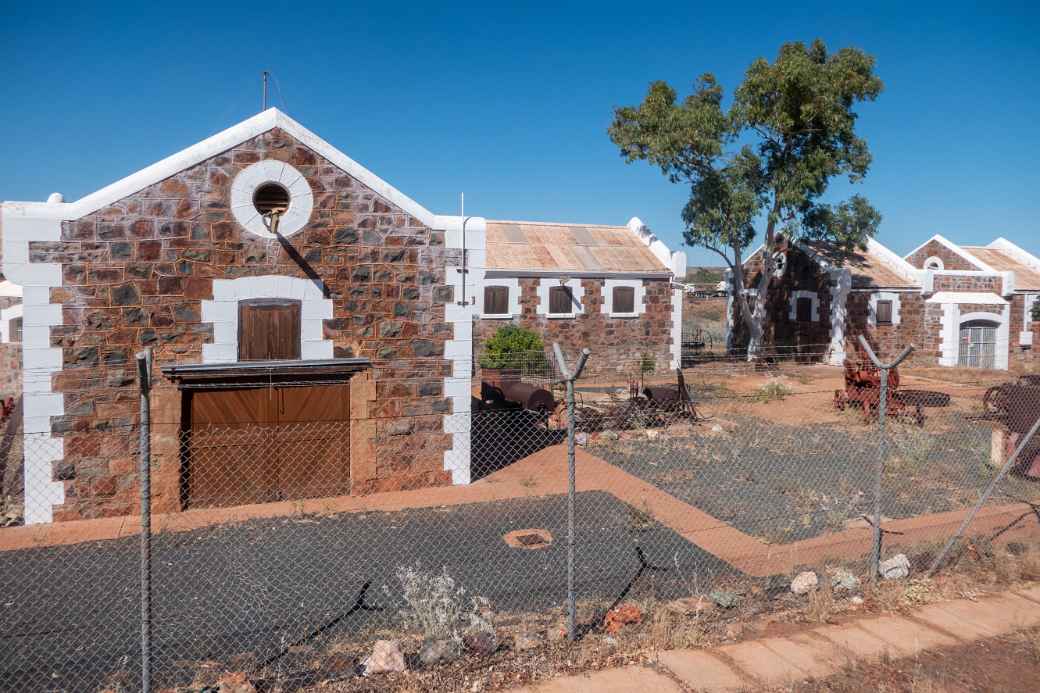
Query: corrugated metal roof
x=869, y=271
x=1025, y=276
x=545, y=246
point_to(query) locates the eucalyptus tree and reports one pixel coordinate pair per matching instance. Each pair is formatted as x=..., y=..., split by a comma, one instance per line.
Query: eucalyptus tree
x=764, y=163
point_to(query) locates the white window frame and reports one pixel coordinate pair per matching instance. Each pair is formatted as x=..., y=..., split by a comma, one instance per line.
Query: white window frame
x=872, y=308
x=934, y=260
x=577, y=294
x=513, y=286
x=1025, y=337
x=638, y=306
x=793, y=305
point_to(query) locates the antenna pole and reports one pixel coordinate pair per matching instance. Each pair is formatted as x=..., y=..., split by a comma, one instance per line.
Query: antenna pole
x=263, y=98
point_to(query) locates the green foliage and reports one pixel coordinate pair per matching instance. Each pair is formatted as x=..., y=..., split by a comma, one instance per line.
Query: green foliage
x=647, y=363
x=773, y=391
x=704, y=275
x=514, y=347
x=1035, y=312
x=770, y=156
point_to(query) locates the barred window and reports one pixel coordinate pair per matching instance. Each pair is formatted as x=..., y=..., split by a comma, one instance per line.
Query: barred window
x=496, y=300
x=561, y=300
x=624, y=299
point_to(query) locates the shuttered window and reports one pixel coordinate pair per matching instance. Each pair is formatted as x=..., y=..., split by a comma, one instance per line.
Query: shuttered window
x=561, y=300
x=884, y=312
x=803, y=309
x=16, y=329
x=268, y=330
x=496, y=300
x=624, y=299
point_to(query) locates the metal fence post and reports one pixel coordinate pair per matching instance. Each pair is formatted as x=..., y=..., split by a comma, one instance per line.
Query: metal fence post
x=569, y=378
x=875, y=555
x=144, y=373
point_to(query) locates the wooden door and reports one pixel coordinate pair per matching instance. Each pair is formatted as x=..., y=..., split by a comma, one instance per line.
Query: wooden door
x=229, y=458
x=267, y=444
x=269, y=329
x=314, y=441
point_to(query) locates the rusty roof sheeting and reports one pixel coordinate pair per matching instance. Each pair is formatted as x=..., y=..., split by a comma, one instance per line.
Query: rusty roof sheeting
x=544, y=246
x=1026, y=277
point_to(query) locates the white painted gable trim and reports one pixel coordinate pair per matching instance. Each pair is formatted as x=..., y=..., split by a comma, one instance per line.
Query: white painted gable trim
x=225, y=140
x=10, y=289
x=883, y=296
x=897, y=264
x=222, y=312
x=674, y=262
x=6, y=316
x=953, y=247
x=1017, y=252
x=639, y=304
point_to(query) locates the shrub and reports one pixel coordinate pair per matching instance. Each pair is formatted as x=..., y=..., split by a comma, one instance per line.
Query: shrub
x=514, y=347
x=774, y=390
x=438, y=607
x=647, y=364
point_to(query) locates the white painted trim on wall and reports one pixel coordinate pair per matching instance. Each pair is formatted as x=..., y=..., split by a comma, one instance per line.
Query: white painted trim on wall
x=459, y=349
x=639, y=299
x=952, y=319
x=985, y=298
x=841, y=285
x=245, y=184
x=883, y=296
x=934, y=263
x=893, y=261
x=577, y=294
x=1025, y=337
x=222, y=312
x=6, y=316
x=953, y=247
x=676, y=345
x=1017, y=252
x=792, y=304
x=513, y=285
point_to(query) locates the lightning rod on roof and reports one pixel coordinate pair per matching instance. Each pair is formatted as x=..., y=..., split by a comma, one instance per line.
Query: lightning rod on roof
x=263, y=97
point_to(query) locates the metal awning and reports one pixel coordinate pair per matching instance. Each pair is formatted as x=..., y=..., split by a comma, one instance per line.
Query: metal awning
x=264, y=373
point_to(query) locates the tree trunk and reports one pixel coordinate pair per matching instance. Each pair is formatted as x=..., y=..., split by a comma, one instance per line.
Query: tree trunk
x=758, y=314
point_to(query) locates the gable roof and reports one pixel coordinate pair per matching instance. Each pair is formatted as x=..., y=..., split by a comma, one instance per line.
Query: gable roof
x=876, y=267
x=533, y=246
x=961, y=251
x=221, y=142
x=1026, y=277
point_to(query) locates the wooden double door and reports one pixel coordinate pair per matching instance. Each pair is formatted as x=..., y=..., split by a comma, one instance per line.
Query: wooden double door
x=265, y=444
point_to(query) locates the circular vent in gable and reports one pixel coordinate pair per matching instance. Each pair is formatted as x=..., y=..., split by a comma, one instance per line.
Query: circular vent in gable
x=267, y=187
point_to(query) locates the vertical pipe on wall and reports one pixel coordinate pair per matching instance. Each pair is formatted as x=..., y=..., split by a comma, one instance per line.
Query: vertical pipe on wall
x=144, y=374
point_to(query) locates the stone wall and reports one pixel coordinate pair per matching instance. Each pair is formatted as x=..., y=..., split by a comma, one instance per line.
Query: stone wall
x=968, y=282
x=10, y=370
x=618, y=345
x=135, y=274
x=889, y=340
x=951, y=260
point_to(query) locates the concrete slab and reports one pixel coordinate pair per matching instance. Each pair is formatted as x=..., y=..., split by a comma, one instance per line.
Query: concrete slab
x=905, y=637
x=623, y=680
x=701, y=671
x=857, y=643
x=813, y=659
x=762, y=663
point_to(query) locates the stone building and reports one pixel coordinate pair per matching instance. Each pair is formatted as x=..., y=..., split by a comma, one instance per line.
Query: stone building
x=311, y=327
x=10, y=340
x=609, y=288
x=967, y=306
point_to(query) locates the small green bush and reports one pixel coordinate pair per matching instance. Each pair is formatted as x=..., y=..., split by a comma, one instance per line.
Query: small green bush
x=647, y=364
x=1035, y=312
x=773, y=391
x=514, y=347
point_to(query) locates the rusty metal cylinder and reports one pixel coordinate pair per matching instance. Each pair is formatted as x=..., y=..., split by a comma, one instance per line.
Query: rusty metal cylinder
x=528, y=396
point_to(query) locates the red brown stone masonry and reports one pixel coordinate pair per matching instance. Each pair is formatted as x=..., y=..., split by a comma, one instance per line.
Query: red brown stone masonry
x=10, y=370
x=951, y=260
x=889, y=340
x=788, y=336
x=134, y=276
x=959, y=282
x=618, y=345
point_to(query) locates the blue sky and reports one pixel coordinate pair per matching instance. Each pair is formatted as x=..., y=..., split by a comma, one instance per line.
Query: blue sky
x=511, y=105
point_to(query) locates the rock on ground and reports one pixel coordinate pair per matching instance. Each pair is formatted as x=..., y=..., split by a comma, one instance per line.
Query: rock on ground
x=234, y=682
x=844, y=581
x=804, y=583
x=895, y=568
x=386, y=656
x=438, y=651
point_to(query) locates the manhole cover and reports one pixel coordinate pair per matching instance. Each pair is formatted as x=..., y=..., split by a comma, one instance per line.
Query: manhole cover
x=529, y=538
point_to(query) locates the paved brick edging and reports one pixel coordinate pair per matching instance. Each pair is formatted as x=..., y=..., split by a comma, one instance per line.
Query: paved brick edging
x=818, y=652
x=543, y=474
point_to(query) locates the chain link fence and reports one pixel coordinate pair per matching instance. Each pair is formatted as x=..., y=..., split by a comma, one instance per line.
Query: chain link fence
x=262, y=560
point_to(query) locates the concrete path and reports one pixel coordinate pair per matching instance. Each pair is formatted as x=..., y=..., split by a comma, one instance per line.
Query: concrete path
x=815, y=653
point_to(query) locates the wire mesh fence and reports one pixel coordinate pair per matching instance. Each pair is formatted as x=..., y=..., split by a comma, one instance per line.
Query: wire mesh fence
x=267, y=559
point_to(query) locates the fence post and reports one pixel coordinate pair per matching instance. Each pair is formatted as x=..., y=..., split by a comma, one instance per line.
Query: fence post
x=875, y=556
x=144, y=377
x=985, y=496
x=569, y=377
